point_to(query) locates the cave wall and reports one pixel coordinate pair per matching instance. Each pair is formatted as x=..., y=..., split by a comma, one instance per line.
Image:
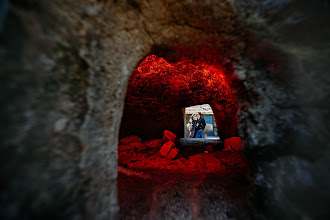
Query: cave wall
x=65, y=68
x=62, y=104
x=290, y=80
x=148, y=127
x=158, y=91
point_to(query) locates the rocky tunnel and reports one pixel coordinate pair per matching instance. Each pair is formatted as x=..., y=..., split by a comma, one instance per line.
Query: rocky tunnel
x=158, y=90
x=78, y=76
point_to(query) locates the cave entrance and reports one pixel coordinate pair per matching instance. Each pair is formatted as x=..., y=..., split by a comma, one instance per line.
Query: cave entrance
x=211, y=130
x=160, y=177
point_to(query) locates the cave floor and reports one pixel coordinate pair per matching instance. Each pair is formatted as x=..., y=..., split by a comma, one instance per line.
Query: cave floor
x=195, y=185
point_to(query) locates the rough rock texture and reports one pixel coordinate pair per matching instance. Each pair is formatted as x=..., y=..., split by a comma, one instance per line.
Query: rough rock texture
x=169, y=136
x=129, y=139
x=173, y=153
x=166, y=148
x=156, y=143
x=159, y=90
x=126, y=148
x=65, y=67
x=209, y=148
x=233, y=143
x=285, y=121
x=138, y=145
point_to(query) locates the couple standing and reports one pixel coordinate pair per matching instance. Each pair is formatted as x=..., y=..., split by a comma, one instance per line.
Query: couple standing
x=197, y=126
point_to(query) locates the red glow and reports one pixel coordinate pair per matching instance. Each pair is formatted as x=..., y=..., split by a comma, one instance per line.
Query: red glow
x=157, y=91
x=157, y=86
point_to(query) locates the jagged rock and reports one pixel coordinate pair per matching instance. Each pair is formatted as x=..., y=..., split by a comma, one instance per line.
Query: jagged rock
x=173, y=153
x=166, y=148
x=156, y=143
x=126, y=148
x=129, y=139
x=169, y=136
x=138, y=145
x=69, y=79
x=209, y=148
x=233, y=143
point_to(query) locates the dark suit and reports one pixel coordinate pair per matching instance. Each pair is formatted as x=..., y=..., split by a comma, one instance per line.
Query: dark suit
x=199, y=131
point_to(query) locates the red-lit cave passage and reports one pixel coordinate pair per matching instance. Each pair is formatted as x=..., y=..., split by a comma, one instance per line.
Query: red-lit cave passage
x=163, y=175
x=92, y=109
x=158, y=92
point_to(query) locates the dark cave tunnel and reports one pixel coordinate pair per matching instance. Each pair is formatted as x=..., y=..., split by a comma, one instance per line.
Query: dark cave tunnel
x=158, y=91
x=162, y=86
x=66, y=67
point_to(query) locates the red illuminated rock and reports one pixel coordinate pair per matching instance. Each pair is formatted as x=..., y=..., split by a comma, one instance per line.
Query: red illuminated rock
x=233, y=143
x=173, y=153
x=158, y=89
x=166, y=148
x=129, y=139
x=209, y=148
x=169, y=136
x=138, y=145
x=126, y=148
x=156, y=143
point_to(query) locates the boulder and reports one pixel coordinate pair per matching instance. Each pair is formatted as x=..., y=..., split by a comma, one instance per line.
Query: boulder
x=209, y=148
x=233, y=143
x=156, y=143
x=129, y=139
x=169, y=136
x=138, y=145
x=173, y=153
x=166, y=148
x=126, y=148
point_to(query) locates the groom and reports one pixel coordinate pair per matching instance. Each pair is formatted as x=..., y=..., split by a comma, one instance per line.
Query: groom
x=200, y=126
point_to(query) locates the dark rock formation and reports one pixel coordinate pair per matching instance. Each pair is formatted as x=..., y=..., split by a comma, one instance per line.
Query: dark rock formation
x=173, y=153
x=65, y=67
x=233, y=143
x=159, y=90
x=169, y=136
x=156, y=143
x=138, y=145
x=166, y=148
x=129, y=139
x=126, y=148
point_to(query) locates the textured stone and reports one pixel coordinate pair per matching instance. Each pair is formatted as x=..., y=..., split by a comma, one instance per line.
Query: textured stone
x=209, y=148
x=233, y=143
x=77, y=67
x=173, y=153
x=60, y=124
x=166, y=148
x=129, y=139
x=138, y=145
x=156, y=143
x=126, y=148
x=169, y=136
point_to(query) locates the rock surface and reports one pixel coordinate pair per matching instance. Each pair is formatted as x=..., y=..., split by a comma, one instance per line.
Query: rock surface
x=138, y=145
x=209, y=148
x=126, y=148
x=173, y=153
x=233, y=143
x=166, y=148
x=129, y=139
x=156, y=143
x=169, y=136
x=65, y=67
